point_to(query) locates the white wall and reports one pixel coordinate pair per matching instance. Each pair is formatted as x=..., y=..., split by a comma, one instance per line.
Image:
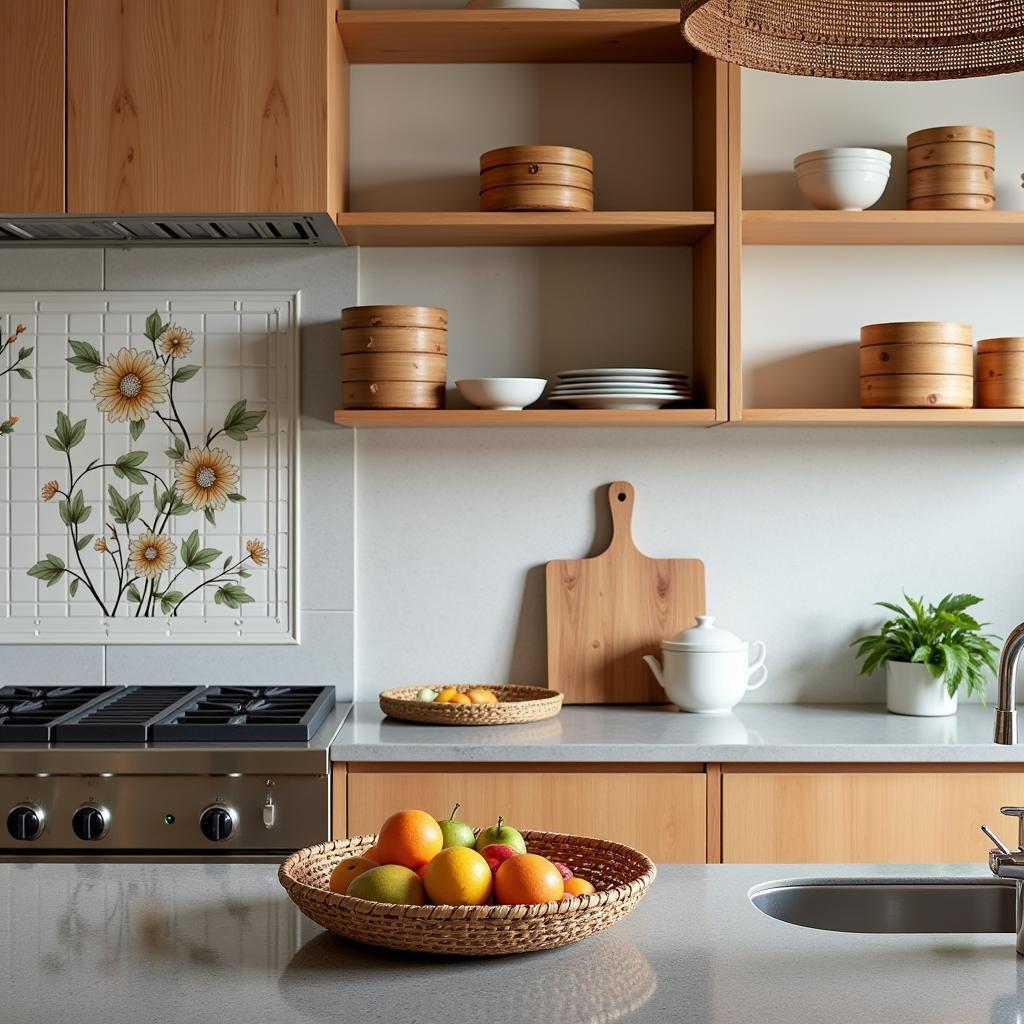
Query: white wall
x=801, y=530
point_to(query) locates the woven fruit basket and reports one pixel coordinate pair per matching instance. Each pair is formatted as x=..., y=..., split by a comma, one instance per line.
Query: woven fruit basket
x=515, y=704
x=620, y=875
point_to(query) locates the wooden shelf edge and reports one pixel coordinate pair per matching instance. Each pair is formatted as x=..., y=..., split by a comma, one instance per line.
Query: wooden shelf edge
x=883, y=227
x=649, y=35
x=400, y=418
x=555, y=228
x=880, y=417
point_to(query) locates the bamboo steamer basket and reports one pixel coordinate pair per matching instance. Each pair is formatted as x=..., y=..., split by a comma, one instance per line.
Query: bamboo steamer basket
x=393, y=339
x=620, y=875
x=952, y=202
x=951, y=133
x=392, y=394
x=951, y=168
x=394, y=366
x=917, y=391
x=914, y=332
x=941, y=358
x=517, y=178
x=1000, y=373
x=395, y=316
x=951, y=179
x=980, y=154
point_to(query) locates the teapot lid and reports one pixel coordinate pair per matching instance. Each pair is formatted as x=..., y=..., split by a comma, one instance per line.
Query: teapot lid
x=705, y=636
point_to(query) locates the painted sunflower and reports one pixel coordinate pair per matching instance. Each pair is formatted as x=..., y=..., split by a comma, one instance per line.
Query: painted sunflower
x=206, y=476
x=175, y=342
x=150, y=554
x=257, y=551
x=130, y=386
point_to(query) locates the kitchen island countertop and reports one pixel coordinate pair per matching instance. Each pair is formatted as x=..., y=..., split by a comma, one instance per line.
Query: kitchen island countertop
x=752, y=733
x=196, y=943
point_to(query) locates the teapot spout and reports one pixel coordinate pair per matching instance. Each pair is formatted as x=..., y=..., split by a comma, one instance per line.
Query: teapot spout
x=655, y=666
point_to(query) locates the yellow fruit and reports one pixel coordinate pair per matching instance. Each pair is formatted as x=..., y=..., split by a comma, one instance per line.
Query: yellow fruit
x=445, y=696
x=458, y=877
x=348, y=869
x=578, y=887
x=460, y=698
x=478, y=695
x=389, y=883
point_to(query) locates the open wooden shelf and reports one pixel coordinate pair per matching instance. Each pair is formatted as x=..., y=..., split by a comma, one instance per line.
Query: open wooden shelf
x=881, y=417
x=553, y=228
x=512, y=36
x=525, y=418
x=883, y=227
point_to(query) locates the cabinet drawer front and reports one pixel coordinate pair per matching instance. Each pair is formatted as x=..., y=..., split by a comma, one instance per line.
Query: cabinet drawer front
x=862, y=817
x=659, y=813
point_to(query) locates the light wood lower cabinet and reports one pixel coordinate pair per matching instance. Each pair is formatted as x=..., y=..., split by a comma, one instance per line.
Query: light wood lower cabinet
x=860, y=815
x=659, y=811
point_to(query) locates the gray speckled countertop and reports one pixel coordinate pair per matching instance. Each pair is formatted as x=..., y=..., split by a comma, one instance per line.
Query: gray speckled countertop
x=754, y=732
x=135, y=943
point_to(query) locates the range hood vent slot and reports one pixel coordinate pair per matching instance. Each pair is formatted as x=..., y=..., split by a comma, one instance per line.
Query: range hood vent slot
x=191, y=229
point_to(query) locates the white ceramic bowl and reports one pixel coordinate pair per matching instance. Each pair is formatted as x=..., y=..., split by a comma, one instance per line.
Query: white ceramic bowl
x=842, y=188
x=508, y=393
x=844, y=153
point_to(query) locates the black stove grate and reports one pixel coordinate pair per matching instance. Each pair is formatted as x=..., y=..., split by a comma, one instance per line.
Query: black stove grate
x=126, y=715
x=248, y=714
x=29, y=714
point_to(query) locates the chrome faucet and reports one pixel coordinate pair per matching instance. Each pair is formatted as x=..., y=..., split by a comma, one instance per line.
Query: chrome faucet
x=1006, y=706
x=1006, y=863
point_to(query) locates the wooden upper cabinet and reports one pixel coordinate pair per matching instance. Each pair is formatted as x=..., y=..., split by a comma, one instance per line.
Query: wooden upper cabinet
x=205, y=106
x=32, y=106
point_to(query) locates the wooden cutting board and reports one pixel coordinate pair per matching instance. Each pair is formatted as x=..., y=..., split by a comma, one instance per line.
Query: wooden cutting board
x=605, y=613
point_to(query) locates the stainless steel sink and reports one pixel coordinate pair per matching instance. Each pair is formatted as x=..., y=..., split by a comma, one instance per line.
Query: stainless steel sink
x=890, y=907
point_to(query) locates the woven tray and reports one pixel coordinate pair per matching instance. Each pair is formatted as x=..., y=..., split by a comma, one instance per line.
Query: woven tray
x=515, y=704
x=621, y=876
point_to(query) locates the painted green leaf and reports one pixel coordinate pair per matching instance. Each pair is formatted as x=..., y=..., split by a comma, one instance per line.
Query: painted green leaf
x=210, y=517
x=50, y=569
x=189, y=547
x=154, y=326
x=244, y=573
x=239, y=421
x=135, y=428
x=22, y=372
x=184, y=373
x=74, y=586
x=232, y=594
x=133, y=594
x=55, y=444
x=179, y=507
x=170, y=600
x=86, y=358
x=83, y=542
x=205, y=558
x=227, y=562
x=79, y=510
x=236, y=497
x=65, y=513
x=127, y=465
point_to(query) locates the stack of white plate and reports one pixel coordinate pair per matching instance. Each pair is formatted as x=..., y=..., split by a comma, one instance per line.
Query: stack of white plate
x=621, y=388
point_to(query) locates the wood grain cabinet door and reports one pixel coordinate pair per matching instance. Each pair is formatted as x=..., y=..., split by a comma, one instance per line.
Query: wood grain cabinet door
x=212, y=106
x=32, y=106
x=866, y=816
x=661, y=812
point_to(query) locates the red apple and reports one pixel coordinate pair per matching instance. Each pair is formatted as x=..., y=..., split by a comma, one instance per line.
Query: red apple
x=563, y=870
x=496, y=854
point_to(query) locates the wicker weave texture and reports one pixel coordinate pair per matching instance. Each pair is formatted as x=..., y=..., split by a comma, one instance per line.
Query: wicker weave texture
x=877, y=40
x=620, y=874
x=515, y=704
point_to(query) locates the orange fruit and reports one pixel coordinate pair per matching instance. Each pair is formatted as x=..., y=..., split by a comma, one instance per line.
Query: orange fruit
x=578, y=887
x=371, y=855
x=460, y=698
x=458, y=877
x=346, y=870
x=528, y=878
x=445, y=695
x=409, y=838
x=478, y=695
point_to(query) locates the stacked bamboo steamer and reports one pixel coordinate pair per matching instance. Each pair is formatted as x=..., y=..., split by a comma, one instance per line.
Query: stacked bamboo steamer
x=1000, y=374
x=394, y=357
x=951, y=168
x=537, y=178
x=916, y=365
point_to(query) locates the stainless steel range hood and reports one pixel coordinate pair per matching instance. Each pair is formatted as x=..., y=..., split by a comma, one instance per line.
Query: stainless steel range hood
x=174, y=229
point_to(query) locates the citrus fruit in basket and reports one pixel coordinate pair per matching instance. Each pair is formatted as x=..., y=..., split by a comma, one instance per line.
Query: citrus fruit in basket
x=458, y=877
x=389, y=883
x=445, y=696
x=346, y=870
x=460, y=698
x=501, y=835
x=480, y=695
x=456, y=833
x=578, y=887
x=409, y=838
x=528, y=878
x=371, y=855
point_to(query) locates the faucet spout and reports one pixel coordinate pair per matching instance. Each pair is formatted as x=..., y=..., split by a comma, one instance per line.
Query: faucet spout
x=1006, y=706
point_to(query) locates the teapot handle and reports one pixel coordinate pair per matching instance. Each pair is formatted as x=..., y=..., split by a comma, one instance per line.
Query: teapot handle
x=758, y=666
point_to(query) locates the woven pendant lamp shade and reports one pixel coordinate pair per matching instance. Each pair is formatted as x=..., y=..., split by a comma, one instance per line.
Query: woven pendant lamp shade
x=874, y=40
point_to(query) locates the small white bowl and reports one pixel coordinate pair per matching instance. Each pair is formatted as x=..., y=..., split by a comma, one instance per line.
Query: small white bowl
x=842, y=188
x=843, y=152
x=504, y=393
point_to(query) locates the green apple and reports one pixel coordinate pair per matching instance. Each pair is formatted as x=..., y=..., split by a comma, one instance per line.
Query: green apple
x=427, y=695
x=456, y=833
x=501, y=835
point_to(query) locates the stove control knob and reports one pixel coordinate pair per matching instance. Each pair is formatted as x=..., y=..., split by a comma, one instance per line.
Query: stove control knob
x=90, y=822
x=218, y=822
x=26, y=822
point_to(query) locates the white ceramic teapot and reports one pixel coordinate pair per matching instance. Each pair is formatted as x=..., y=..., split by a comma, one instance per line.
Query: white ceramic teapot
x=708, y=670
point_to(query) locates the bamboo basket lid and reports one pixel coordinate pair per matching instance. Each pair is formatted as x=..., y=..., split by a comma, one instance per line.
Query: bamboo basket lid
x=911, y=332
x=395, y=316
x=951, y=133
x=941, y=154
x=536, y=155
x=986, y=345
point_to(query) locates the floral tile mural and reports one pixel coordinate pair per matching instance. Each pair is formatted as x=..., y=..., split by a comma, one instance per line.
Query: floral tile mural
x=147, y=457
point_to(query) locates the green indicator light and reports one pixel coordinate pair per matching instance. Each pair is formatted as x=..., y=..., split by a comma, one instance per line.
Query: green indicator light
x=168, y=819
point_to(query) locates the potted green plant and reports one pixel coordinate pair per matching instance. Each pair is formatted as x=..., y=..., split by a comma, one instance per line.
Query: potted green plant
x=929, y=652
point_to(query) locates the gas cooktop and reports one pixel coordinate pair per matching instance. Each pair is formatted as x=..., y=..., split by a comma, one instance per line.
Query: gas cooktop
x=162, y=714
